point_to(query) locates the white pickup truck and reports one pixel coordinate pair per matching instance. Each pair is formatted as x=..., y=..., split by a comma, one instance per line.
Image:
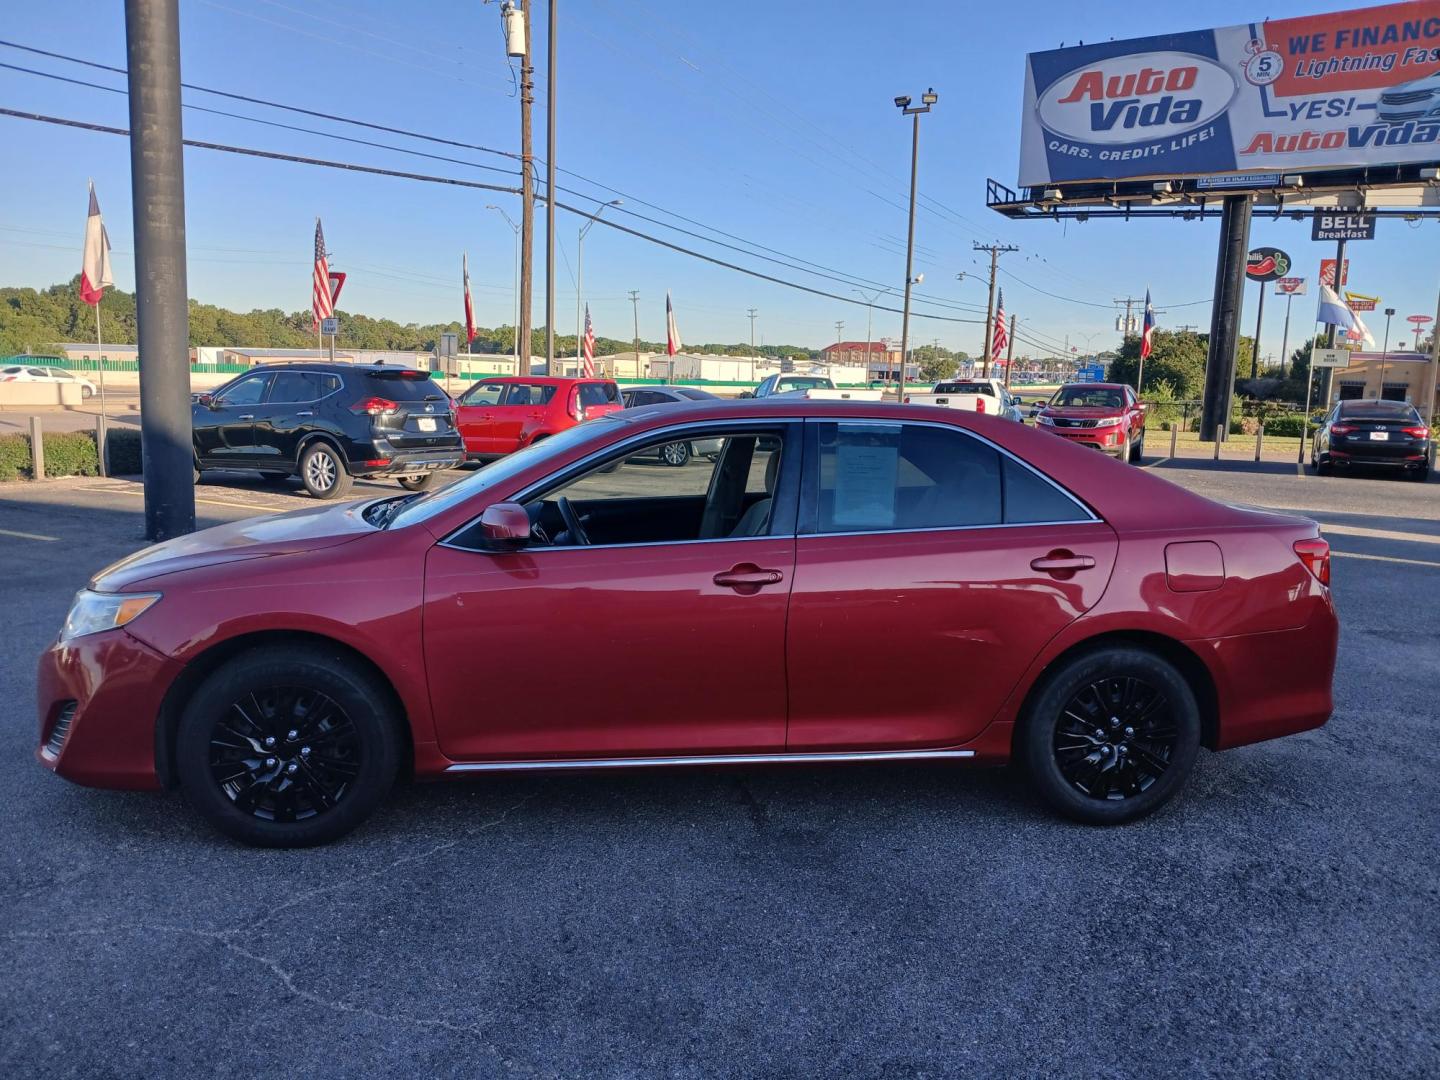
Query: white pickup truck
x=974, y=395
x=813, y=387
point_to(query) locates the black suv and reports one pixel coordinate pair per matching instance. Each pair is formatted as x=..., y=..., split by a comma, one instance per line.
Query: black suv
x=327, y=423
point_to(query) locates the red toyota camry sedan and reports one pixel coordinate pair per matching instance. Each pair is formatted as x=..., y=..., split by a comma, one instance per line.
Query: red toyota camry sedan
x=844, y=582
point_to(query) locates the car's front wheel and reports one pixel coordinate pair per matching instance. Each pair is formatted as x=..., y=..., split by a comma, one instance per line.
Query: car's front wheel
x=1137, y=452
x=288, y=747
x=323, y=472
x=1111, y=735
x=675, y=454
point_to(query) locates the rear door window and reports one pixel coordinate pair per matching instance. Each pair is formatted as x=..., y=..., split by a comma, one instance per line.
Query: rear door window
x=294, y=387
x=528, y=394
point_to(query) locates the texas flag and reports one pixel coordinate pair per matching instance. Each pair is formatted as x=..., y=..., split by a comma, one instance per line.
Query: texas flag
x=95, y=272
x=470, y=330
x=672, y=332
x=1148, y=331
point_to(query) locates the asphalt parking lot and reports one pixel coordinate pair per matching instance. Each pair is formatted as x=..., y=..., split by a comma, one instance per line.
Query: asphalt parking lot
x=1279, y=918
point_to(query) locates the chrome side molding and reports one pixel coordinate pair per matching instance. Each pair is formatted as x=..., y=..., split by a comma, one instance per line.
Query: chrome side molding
x=705, y=759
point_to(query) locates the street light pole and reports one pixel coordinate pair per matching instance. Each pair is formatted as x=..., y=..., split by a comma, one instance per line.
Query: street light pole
x=927, y=100
x=1385, y=350
x=511, y=222
x=869, y=322
x=550, y=198
x=751, y=314
x=580, y=272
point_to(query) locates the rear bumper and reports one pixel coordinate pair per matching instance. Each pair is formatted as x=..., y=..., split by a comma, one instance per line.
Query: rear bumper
x=410, y=462
x=1269, y=685
x=117, y=686
x=1409, y=455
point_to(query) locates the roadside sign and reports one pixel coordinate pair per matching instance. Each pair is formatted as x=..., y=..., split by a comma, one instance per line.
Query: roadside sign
x=1290, y=286
x=1325, y=226
x=1360, y=302
x=337, y=282
x=449, y=344
x=330, y=327
x=1327, y=273
x=1329, y=358
x=1266, y=264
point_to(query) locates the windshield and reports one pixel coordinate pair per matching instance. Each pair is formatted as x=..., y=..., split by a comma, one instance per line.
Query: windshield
x=498, y=472
x=801, y=382
x=1088, y=397
x=965, y=388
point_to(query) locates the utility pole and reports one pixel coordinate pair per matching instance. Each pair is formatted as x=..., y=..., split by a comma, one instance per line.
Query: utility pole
x=995, y=250
x=549, y=197
x=839, y=330
x=635, y=305
x=869, y=322
x=157, y=178
x=527, y=189
x=1385, y=353
x=752, y=332
x=927, y=101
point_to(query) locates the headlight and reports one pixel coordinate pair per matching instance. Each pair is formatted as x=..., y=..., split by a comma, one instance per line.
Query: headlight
x=1041, y=418
x=93, y=612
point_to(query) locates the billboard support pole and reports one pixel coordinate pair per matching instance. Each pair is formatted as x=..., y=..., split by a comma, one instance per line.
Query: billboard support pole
x=1255, y=348
x=1331, y=329
x=1285, y=336
x=1225, y=316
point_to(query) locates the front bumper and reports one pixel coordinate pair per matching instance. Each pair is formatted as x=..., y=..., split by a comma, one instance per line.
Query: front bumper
x=116, y=685
x=1110, y=440
x=410, y=462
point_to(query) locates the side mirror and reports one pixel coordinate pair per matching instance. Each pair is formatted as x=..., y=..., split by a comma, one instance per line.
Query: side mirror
x=506, y=524
x=747, y=393
x=208, y=400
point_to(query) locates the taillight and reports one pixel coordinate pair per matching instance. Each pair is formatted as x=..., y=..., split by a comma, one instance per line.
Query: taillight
x=1420, y=431
x=574, y=406
x=980, y=404
x=374, y=406
x=1315, y=554
x=1341, y=429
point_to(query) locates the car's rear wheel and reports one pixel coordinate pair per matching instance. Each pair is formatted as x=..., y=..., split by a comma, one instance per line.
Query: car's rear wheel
x=1322, y=464
x=288, y=747
x=675, y=454
x=1111, y=735
x=423, y=482
x=323, y=472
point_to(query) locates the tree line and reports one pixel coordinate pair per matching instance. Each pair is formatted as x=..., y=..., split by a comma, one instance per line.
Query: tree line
x=35, y=321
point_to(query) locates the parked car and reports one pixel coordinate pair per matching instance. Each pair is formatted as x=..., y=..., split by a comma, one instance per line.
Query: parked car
x=784, y=384
x=1120, y=622
x=328, y=423
x=675, y=454
x=1391, y=434
x=28, y=373
x=502, y=415
x=1104, y=416
x=972, y=395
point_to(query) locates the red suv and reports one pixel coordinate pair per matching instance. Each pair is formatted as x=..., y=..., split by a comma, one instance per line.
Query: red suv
x=1106, y=416
x=499, y=416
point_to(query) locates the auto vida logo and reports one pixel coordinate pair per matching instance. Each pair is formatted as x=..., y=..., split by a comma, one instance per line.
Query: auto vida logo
x=1136, y=98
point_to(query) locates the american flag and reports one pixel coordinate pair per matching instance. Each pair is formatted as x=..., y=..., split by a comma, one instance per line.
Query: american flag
x=1148, y=331
x=1000, y=336
x=321, y=304
x=589, y=344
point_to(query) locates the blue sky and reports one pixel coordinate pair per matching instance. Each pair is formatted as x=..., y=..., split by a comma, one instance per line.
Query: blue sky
x=774, y=123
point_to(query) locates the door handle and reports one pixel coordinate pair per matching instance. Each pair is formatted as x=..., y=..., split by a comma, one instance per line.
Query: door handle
x=304, y=414
x=246, y=416
x=1061, y=562
x=747, y=578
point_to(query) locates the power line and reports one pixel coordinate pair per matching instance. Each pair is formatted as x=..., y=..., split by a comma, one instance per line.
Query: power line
x=455, y=182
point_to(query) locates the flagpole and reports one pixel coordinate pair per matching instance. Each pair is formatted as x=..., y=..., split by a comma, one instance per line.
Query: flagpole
x=100, y=359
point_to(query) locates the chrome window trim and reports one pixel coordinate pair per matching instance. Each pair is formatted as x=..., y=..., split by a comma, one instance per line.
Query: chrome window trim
x=526, y=492
x=1090, y=515
x=704, y=759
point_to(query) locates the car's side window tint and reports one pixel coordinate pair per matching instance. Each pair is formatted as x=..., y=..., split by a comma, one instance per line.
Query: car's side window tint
x=294, y=387
x=526, y=394
x=248, y=391
x=894, y=477
x=1030, y=499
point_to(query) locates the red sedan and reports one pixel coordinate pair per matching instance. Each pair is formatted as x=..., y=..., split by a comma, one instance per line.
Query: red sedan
x=845, y=582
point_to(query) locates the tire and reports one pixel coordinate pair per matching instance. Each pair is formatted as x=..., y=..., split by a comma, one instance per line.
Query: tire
x=675, y=454
x=1061, y=752
x=323, y=472
x=86, y=393
x=1422, y=474
x=1137, y=452
x=246, y=791
x=1126, y=454
x=1322, y=466
x=423, y=482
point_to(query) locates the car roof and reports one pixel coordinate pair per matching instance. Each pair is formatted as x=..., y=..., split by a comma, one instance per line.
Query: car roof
x=1093, y=386
x=544, y=380
x=337, y=368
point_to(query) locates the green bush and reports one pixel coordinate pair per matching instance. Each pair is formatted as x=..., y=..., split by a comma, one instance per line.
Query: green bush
x=125, y=458
x=69, y=453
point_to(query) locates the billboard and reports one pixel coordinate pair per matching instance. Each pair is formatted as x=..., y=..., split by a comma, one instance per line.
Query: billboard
x=1344, y=89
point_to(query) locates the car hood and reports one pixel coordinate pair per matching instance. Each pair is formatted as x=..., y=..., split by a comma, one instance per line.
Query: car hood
x=254, y=538
x=1083, y=412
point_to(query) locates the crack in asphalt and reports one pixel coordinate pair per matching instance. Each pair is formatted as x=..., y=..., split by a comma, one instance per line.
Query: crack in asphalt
x=285, y=977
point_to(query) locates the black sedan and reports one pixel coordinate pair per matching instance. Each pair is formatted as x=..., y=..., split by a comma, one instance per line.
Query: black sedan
x=1386, y=433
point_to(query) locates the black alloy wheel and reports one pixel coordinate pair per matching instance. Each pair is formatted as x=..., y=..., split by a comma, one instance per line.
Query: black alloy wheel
x=287, y=746
x=1110, y=734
